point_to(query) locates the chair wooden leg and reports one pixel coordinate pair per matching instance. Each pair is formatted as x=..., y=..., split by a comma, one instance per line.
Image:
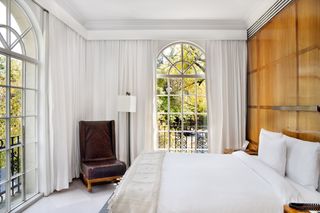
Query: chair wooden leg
x=89, y=186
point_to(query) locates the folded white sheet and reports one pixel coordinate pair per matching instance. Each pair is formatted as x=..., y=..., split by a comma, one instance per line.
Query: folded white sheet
x=208, y=183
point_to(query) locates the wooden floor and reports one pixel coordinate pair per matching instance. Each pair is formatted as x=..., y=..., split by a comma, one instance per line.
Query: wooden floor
x=75, y=199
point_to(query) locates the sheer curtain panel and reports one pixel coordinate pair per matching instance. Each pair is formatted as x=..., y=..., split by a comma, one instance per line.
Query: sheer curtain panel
x=226, y=94
x=66, y=88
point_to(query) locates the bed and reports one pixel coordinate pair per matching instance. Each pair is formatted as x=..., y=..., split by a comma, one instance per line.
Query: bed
x=175, y=182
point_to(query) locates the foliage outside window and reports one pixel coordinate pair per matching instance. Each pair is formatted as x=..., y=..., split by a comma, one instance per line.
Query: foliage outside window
x=181, y=99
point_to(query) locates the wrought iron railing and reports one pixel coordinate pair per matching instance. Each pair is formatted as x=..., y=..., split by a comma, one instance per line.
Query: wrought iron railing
x=15, y=167
x=179, y=141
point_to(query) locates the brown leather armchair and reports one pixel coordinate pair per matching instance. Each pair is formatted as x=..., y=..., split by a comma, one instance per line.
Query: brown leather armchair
x=97, y=150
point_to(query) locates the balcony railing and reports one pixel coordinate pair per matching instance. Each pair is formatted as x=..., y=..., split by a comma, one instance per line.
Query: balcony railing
x=15, y=167
x=179, y=141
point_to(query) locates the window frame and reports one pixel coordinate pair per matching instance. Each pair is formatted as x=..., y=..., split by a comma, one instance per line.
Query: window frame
x=168, y=113
x=9, y=56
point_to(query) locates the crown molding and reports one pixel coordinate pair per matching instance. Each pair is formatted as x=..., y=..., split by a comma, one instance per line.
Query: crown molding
x=167, y=24
x=167, y=35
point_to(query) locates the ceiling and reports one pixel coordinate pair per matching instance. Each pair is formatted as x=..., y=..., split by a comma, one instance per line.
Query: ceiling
x=99, y=14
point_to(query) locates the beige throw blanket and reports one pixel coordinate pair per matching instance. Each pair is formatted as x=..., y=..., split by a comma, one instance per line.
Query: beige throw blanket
x=138, y=192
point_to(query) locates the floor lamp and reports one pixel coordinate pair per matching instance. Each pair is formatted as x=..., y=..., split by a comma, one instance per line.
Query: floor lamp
x=127, y=103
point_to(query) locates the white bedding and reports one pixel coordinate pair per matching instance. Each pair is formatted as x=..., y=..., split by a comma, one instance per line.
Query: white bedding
x=208, y=183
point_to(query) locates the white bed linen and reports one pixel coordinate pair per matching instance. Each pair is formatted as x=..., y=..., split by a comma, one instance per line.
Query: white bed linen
x=208, y=183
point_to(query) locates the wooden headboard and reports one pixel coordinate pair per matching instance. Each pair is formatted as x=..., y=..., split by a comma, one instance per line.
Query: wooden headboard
x=284, y=74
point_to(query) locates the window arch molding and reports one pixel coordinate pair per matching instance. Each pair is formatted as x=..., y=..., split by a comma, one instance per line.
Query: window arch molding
x=181, y=98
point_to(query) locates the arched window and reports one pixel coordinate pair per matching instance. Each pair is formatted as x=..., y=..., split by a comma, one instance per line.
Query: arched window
x=181, y=98
x=18, y=106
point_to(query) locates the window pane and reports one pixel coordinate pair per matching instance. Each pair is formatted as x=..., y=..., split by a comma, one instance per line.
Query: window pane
x=15, y=131
x=31, y=76
x=189, y=104
x=175, y=122
x=202, y=122
x=202, y=141
x=30, y=45
x=30, y=102
x=30, y=160
x=174, y=71
x=202, y=104
x=162, y=104
x=2, y=70
x=163, y=65
x=31, y=183
x=3, y=101
x=178, y=141
x=3, y=169
x=190, y=71
x=16, y=160
x=189, y=87
x=191, y=53
x=19, y=20
x=3, y=8
x=175, y=86
x=162, y=85
x=16, y=72
x=3, y=197
x=16, y=191
x=201, y=84
x=198, y=68
x=2, y=133
x=16, y=102
x=163, y=138
x=175, y=104
x=30, y=130
x=189, y=122
x=190, y=139
x=173, y=53
x=16, y=44
x=162, y=122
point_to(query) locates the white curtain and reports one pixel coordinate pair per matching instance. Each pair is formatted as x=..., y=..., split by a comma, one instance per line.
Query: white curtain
x=66, y=86
x=114, y=68
x=136, y=76
x=226, y=94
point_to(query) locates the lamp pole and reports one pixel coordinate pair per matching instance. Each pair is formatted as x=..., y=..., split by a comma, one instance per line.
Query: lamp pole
x=129, y=149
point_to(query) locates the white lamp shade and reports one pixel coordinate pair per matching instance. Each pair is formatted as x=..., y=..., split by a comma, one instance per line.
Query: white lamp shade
x=126, y=103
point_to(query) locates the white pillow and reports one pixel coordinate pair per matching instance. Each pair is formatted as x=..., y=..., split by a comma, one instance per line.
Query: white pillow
x=303, y=164
x=270, y=134
x=272, y=150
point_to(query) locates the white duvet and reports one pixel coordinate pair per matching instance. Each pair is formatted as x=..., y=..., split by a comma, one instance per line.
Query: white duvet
x=208, y=183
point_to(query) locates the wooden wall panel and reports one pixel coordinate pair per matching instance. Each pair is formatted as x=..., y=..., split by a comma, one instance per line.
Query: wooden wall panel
x=252, y=59
x=278, y=84
x=309, y=77
x=278, y=121
x=253, y=128
x=277, y=39
x=308, y=23
x=253, y=89
x=284, y=69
